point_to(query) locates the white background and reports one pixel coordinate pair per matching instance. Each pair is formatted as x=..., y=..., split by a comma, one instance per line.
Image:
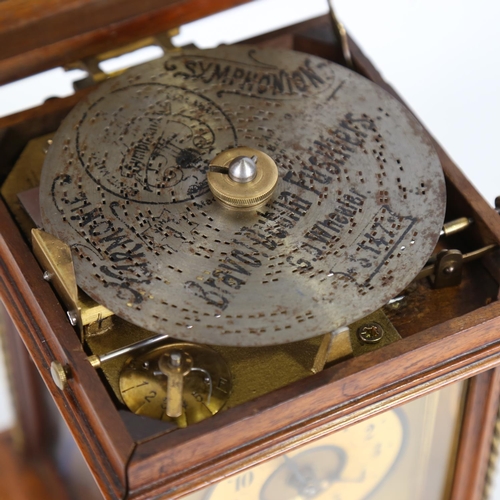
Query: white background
x=441, y=55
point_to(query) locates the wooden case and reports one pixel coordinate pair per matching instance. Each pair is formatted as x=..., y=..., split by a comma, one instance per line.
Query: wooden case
x=448, y=335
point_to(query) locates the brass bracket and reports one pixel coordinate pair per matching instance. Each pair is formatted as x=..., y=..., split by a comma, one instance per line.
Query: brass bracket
x=335, y=346
x=368, y=334
x=91, y=64
x=445, y=268
x=56, y=260
x=448, y=269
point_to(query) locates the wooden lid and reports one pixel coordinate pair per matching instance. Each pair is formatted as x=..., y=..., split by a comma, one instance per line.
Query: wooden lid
x=36, y=36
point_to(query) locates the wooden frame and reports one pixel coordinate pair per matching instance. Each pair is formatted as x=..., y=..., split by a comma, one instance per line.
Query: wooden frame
x=464, y=343
x=476, y=436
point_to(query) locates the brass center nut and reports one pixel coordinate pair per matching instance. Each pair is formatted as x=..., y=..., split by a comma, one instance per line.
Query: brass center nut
x=242, y=195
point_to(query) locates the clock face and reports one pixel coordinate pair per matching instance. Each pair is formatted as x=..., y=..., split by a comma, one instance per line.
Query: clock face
x=403, y=453
x=345, y=465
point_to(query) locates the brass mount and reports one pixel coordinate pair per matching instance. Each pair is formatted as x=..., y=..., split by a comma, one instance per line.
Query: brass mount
x=249, y=191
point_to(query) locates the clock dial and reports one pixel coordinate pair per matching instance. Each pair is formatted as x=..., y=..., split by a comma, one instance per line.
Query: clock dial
x=306, y=475
x=345, y=465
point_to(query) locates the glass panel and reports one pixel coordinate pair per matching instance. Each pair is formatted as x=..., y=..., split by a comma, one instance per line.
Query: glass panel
x=404, y=453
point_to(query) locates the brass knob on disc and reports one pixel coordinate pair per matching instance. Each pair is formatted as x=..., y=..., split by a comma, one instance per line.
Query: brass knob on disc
x=242, y=178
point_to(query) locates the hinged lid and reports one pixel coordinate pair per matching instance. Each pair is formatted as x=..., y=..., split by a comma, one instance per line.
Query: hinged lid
x=36, y=36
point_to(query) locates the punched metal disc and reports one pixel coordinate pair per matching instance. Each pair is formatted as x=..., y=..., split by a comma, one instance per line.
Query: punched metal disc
x=356, y=212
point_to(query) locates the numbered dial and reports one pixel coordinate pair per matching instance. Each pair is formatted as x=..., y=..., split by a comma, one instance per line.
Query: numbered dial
x=205, y=386
x=346, y=465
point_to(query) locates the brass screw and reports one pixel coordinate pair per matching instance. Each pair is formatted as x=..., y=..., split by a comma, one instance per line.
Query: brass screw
x=59, y=374
x=370, y=333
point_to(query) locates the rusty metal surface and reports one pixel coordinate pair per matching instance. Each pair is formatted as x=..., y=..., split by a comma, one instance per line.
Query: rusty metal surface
x=357, y=211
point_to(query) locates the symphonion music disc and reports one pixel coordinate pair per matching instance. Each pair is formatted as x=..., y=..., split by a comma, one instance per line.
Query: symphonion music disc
x=356, y=212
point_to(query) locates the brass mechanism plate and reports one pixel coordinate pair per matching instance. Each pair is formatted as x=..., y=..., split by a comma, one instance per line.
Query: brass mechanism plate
x=357, y=210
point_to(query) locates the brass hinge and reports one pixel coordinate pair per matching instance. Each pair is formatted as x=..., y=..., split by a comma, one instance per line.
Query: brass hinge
x=91, y=65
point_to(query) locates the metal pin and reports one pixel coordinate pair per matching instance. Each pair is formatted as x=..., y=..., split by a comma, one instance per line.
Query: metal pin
x=73, y=317
x=176, y=358
x=455, y=226
x=96, y=360
x=243, y=169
